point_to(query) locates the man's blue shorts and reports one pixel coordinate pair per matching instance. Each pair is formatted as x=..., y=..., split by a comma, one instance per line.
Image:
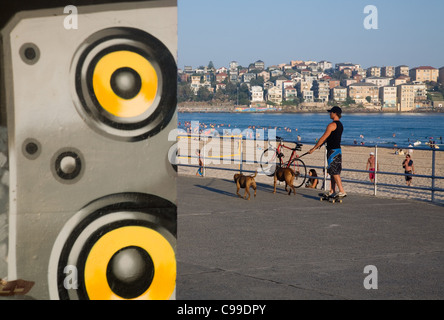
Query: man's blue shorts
x=334, y=160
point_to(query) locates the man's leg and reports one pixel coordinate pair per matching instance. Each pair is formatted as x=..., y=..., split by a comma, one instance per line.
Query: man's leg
x=332, y=184
x=337, y=181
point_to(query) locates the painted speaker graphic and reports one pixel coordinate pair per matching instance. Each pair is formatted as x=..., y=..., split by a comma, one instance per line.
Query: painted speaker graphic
x=87, y=111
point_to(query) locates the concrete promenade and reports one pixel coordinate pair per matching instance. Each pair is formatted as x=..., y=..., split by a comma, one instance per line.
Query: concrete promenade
x=284, y=247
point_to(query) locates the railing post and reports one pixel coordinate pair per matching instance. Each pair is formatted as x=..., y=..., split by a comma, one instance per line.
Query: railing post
x=325, y=169
x=375, y=184
x=204, y=157
x=433, y=175
x=241, y=140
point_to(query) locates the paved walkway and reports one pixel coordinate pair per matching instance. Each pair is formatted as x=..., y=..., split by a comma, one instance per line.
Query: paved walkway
x=296, y=247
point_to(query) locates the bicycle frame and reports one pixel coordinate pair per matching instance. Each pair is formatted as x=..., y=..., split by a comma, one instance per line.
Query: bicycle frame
x=293, y=152
x=296, y=164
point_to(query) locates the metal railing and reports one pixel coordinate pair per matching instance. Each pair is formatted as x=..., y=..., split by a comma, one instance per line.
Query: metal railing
x=241, y=161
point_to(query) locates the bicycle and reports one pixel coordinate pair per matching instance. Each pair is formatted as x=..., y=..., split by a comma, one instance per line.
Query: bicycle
x=273, y=157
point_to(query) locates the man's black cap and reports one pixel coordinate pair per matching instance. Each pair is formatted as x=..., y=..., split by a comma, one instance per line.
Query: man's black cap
x=336, y=110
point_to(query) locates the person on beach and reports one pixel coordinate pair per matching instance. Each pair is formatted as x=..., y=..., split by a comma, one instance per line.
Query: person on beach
x=332, y=136
x=312, y=181
x=409, y=168
x=371, y=165
x=200, y=170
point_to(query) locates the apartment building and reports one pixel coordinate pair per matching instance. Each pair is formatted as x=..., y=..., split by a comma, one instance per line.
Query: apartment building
x=358, y=77
x=287, y=83
x=265, y=75
x=274, y=94
x=188, y=69
x=441, y=75
x=308, y=95
x=388, y=96
x=294, y=63
x=374, y=72
x=290, y=93
x=249, y=76
x=207, y=77
x=341, y=66
x=304, y=85
x=220, y=77
x=406, y=97
x=296, y=77
x=348, y=72
x=402, y=70
x=322, y=90
x=200, y=70
x=241, y=72
x=222, y=70
x=233, y=65
x=400, y=80
x=259, y=65
x=184, y=77
x=347, y=82
x=276, y=73
x=220, y=86
x=279, y=82
x=334, y=83
x=424, y=73
x=339, y=94
x=361, y=90
x=195, y=82
x=233, y=75
x=420, y=90
x=257, y=94
x=300, y=66
x=304, y=90
x=388, y=71
x=379, y=81
x=360, y=72
x=325, y=65
x=268, y=85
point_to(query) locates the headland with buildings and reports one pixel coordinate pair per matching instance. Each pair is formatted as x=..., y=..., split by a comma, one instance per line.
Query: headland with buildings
x=310, y=86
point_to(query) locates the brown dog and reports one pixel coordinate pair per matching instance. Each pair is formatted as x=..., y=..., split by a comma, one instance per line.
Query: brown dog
x=246, y=182
x=287, y=175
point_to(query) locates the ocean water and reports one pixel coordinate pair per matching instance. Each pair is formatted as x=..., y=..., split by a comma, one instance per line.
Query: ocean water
x=382, y=129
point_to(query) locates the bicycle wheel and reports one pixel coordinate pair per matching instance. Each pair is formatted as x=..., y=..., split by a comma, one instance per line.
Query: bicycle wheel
x=269, y=161
x=300, y=169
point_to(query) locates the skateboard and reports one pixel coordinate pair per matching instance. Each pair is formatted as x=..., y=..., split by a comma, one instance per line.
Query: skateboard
x=330, y=198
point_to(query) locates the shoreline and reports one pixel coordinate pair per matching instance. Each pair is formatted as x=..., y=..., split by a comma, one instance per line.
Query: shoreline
x=213, y=109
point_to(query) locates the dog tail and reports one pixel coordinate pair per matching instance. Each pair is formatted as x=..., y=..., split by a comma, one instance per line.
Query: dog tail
x=255, y=174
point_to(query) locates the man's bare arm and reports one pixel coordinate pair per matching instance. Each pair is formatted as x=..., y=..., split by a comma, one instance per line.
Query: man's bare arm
x=330, y=128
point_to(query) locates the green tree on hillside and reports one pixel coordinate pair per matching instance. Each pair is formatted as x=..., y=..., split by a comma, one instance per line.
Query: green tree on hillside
x=203, y=94
x=184, y=92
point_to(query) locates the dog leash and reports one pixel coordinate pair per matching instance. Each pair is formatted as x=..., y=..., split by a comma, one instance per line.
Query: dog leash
x=303, y=154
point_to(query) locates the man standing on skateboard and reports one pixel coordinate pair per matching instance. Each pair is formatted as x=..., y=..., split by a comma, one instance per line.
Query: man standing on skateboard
x=332, y=136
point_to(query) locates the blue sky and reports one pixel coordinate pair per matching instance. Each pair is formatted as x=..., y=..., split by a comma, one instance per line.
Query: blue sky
x=410, y=32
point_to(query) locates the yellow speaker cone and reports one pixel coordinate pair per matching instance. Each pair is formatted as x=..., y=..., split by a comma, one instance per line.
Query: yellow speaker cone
x=98, y=264
x=125, y=84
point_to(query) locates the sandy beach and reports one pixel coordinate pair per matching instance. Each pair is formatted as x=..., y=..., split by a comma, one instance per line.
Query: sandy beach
x=354, y=158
